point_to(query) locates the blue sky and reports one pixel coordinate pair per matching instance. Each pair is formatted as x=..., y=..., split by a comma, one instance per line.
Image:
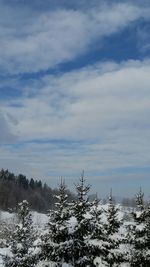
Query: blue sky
x=74, y=92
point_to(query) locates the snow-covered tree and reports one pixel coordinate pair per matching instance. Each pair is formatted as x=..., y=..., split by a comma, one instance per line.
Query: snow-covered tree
x=21, y=245
x=56, y=239
x=97, y=235
x=80, y=248
x=113, y=224
x=96, y=225
x=112, y=256
x=139, y=234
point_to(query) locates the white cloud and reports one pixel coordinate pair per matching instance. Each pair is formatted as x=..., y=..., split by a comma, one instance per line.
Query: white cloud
x=104, y=109
x=87, y=99
x=33, y=41
x=98, y=115
x=6, y=135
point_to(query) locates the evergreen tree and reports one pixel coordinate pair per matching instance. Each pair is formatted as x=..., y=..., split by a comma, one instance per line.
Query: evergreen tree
x=32, y=183
x=97, y=236
x=55, y=241
x=22, y=240
x=96, y=226
x=113, y=223
x=139, y=234
x=112, y=256
x=80, y=248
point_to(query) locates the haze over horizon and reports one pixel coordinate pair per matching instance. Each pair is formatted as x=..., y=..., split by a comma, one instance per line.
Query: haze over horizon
x=75, y=92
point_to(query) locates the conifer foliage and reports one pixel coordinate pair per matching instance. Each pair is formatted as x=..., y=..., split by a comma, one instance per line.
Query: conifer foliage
x=80, y=247
x=55, y=240
x=139, y=234
x=113, y=223
x=97, y=234
x=113, y=257
x=96, y=226
x=22, y=240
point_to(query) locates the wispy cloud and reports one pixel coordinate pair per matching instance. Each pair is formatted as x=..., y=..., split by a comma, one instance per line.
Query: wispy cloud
x=103, y=95
x=6, y=135
x=32, y=41
x=103, y=109
x=94, y=118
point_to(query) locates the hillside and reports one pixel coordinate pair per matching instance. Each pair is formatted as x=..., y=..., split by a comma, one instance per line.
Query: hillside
x=15, y=188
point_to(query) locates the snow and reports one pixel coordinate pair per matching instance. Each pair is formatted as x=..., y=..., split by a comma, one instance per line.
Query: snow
x=40, y=220
x=5, y=215
x=3, y=252
x=50, y=264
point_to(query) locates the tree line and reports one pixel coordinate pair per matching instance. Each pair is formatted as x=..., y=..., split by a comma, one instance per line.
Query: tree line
x=78, y=235
x=16, y=188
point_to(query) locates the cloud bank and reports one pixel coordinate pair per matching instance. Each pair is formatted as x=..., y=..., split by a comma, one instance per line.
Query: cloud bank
x=94, y=118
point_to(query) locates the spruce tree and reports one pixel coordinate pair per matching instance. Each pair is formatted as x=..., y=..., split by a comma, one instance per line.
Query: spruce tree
x=80, y=256
x=97, y=235
x=55, y=241
x=112, y=256
x=139, y=234
x=22, y=240
x=96, y=226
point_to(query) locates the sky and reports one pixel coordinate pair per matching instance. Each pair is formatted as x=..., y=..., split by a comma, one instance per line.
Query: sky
x=75, y=92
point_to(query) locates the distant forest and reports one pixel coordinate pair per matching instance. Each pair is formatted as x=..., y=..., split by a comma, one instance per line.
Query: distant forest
x=16, y=188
